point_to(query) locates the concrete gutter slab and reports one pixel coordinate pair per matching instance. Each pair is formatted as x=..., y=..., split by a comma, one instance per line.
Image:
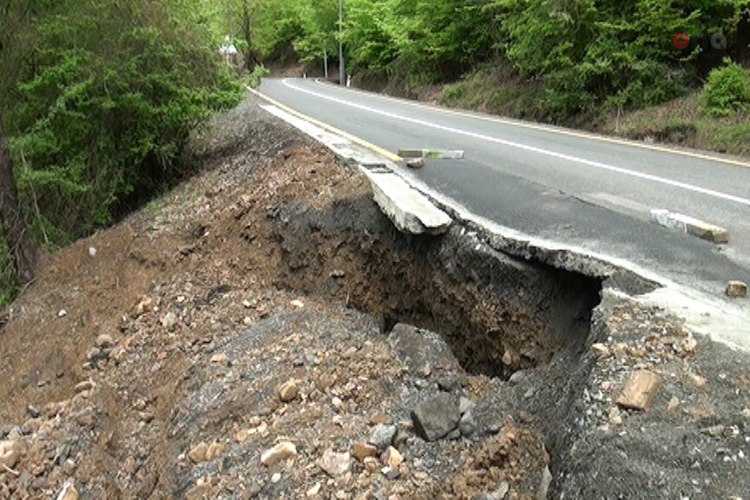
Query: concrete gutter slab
x=690, y=225
x=407, y=208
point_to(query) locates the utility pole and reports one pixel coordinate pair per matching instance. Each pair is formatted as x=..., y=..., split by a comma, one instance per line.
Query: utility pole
x=342, y=70
x=325, y=62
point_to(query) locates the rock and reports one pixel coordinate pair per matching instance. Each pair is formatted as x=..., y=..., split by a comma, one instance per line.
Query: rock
x=10, y=453
x=360, y=451
x=465, y=405
x=169, y=321
x=220, y=359
x=448, y=383
x=298, y=304
x=288, y=391
x=498, y=494
x=518, y=377
x=699, y=381
x=640, y=390
x=713, y=431
x=68, y=491
x=467, y=425
x=390, y=472
x=382, y=436
x=92, y=251
x=380, y=418
x=615, y=418
x=86, y=385
x=104, y=341
x=736, y=289
x=198, y=453
x=278, y=453
x=314, y=490
x=371, y=464
x=601, y=350
x=214, y=451
x=673, y=404
x=418, y=348
x=392, y=458
x=335, y=464
x=546, y=481
x=143, y=306
x=276, y=477
x=62, y=313
x=415, y=163
x=436, y=417
x=33, y=411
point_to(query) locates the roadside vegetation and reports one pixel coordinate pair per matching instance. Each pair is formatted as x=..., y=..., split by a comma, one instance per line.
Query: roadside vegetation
x=98, y=99
x=598, y=65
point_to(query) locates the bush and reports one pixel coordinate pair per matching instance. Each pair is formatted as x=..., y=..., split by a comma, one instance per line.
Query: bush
x=257, y=75
x=8, y=284
x=727, y=91
x=103, y=107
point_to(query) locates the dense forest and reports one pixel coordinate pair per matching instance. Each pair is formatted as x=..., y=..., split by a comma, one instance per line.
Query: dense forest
x=98, y=97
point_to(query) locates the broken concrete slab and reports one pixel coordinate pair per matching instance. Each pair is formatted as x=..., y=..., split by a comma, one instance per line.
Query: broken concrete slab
x=440, y=154
x=409, y=209
x=690, y=225
x=640, y=390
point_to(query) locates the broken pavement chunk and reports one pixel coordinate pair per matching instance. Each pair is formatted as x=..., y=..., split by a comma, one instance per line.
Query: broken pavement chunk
x=640, y=390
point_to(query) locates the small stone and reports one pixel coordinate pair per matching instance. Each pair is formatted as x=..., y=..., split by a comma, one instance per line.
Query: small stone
x=314, y=490
x=10, y=453
x=143, y=306
x=436, y=417
x=518, y=377
x=104, y=341
x=467, y=425
x=337, y=273
x=214, y=451
x=276, y=477
x=713, y=431
x=68, y=491
x=33, y=412
x=699, y=381
x=335, y=464
x=673, y=404
x=371, y=464
x=94, y=353
x=466, y=405
x=746, y=412
x=382, y=436
x=298, y=304
x=92, y=251
x=601, y=350
x=169, y=320
x=62, y=313
x=390, y=472
x=247, y=304
x=415, y=163
x=198, y=453
x=278, y=453
x=360, y=451
x=736, y=289
x=288, y=391
x=247, y=321
x=615, y=418
x=498, y=494
x=220, y=359
x=392, y=458
x=448, y=383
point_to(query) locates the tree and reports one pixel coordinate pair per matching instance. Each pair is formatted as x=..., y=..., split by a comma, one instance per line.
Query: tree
x=22, y=246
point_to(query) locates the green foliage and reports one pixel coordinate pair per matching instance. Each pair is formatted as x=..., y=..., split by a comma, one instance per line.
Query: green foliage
x=8, y=283
x=257, y=75
x=727, y=91
x=103, y=105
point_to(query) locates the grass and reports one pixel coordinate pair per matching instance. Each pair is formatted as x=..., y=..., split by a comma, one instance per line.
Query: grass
x=681, y=122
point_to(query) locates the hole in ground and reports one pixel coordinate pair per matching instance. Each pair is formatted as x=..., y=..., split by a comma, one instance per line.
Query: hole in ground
x=499, y=314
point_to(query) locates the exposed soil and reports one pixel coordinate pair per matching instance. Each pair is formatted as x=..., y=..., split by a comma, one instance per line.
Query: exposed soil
x=146, y=361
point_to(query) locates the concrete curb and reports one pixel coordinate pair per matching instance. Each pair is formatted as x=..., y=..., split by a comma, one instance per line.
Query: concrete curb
x=439, y=154
x=409, y=210
x=690, y=225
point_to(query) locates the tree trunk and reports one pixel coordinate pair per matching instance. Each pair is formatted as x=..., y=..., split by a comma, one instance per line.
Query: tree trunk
x=247, y=33
x=24, y=250
x=743, y=39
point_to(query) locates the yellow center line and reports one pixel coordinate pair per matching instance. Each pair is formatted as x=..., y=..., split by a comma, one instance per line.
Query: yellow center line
x=357, y=140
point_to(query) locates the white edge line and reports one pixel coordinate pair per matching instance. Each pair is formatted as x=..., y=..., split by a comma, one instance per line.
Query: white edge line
x=533, y=149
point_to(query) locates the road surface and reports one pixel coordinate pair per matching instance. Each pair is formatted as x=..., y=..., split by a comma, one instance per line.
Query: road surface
x=558, y=184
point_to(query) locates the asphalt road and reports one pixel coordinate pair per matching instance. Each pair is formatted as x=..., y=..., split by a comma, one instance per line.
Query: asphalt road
x=558, y=184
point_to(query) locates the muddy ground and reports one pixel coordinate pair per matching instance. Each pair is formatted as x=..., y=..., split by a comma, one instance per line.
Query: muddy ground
x=265, y=332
